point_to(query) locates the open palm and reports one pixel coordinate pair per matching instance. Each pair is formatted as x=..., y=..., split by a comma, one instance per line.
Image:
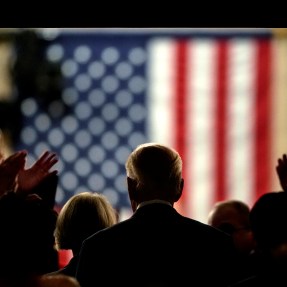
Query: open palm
x=31, y=177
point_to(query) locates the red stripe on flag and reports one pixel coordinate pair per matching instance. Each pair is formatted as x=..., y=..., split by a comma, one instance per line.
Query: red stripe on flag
x=180, y=106
x=263, y=119
x=220, y=120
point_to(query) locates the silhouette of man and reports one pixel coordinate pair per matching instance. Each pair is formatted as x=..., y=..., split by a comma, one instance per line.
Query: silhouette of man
x=156, y=246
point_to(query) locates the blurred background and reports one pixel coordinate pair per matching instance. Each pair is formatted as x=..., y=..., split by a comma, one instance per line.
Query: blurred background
x=218, y=96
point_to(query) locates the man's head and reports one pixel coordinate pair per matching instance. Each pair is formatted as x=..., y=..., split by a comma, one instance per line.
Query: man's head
x=232, y=217
x=154, y=171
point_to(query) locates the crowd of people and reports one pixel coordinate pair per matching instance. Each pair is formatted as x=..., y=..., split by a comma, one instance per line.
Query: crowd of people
x=240, y=246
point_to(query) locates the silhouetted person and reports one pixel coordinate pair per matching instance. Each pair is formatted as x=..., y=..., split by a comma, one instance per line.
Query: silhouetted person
x=156, y=246
x=82, y=215
x=268, y=219
x=27, y=222
x=233, y=218
x=26, y=241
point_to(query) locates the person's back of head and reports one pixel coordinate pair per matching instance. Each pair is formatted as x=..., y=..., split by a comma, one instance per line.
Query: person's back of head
x=229, y=215
x=27, y=240
x=154, y=171
x=233, y=217
x=268, y=219
x=59, y=280
x=83, y=215
x=46, y=280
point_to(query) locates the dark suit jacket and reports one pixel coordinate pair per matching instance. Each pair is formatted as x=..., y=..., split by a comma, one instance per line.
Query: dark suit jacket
x=157, y=247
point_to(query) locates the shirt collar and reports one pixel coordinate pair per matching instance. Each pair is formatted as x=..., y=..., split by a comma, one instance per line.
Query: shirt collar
x=153, y=201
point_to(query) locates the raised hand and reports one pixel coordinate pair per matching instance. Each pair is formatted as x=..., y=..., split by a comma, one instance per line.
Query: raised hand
x=31, y=177
x=9, y=169
x=281, y=170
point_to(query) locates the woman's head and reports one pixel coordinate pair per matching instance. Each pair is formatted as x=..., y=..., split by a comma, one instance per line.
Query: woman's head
x=83, y=215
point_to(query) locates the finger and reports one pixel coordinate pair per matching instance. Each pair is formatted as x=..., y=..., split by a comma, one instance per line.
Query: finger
x=42, y=158
x=280, y=162
x=279, y=171
x=49, y=165
x=51, y=161
x=51, y=157
x=45, y=160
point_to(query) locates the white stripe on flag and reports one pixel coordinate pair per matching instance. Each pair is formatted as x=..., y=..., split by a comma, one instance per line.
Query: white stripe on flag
x=199, y=159
x=160, y=95
x=240, y=121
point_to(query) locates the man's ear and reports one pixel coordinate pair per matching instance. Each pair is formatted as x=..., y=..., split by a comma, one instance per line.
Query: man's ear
x=132, y=184
x=178, y=195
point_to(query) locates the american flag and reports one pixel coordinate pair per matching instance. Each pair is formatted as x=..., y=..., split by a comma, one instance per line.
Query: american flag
x=217, y=98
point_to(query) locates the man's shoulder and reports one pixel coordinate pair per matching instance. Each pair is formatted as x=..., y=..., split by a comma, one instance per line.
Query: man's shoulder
x=203, y=230
x=108, y=232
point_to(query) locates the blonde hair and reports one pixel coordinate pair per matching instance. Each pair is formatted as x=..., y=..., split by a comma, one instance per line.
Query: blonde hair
x=81, y=216
x=155, y=167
